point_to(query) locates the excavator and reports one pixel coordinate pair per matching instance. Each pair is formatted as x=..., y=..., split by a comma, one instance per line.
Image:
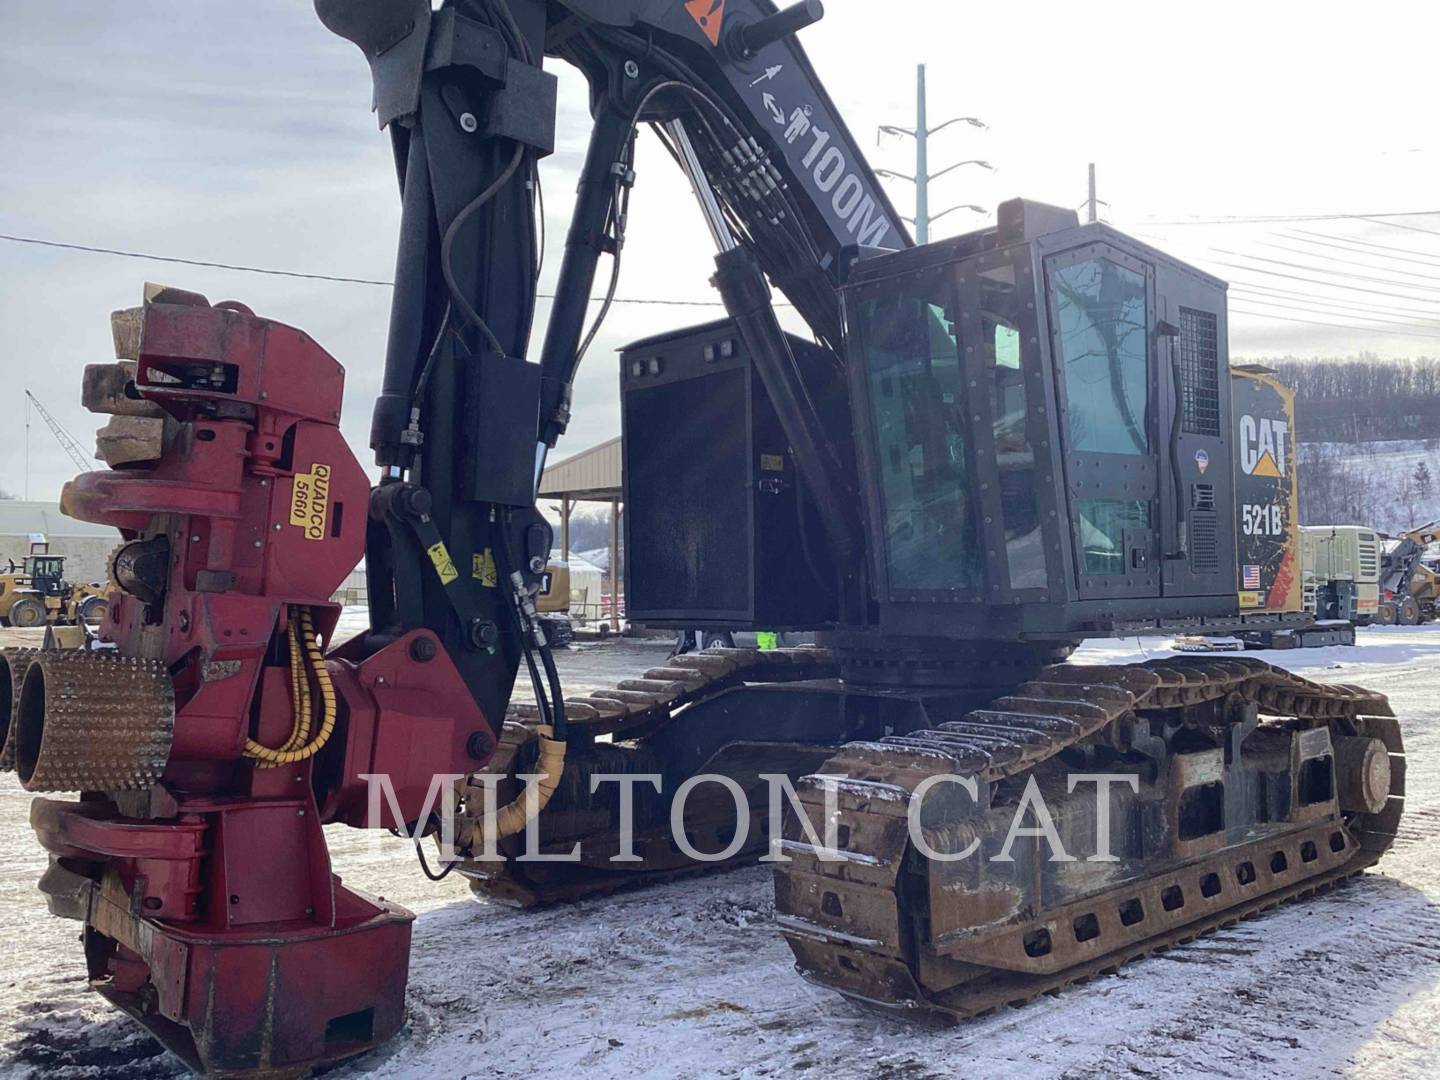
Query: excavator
x=988, y=449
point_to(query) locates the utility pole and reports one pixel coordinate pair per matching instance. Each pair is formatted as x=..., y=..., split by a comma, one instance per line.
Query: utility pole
x=922, y=161
x=921, y=134
x=1092, y=213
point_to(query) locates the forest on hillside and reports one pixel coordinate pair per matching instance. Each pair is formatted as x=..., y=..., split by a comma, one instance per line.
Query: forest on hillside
x=1390, y=486
x=1363, y=398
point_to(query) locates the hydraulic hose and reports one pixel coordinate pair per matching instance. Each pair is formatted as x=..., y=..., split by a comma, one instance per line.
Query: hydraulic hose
x=291, y=753
x=516, y=814
x=299, y=688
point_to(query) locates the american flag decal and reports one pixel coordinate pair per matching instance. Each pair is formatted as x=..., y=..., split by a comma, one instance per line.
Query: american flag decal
x=1250, y=576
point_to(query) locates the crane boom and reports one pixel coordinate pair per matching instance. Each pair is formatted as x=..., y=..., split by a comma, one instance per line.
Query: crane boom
x=67, y=441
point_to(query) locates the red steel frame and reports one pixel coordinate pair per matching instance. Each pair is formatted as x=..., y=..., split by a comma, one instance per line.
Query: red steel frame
x=211, y=909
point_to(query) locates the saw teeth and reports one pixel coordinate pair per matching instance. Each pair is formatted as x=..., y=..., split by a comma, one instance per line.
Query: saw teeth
x=92, y=722
x=13, y=665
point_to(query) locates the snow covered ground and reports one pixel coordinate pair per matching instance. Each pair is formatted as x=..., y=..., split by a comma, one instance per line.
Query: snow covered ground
x=691, y=980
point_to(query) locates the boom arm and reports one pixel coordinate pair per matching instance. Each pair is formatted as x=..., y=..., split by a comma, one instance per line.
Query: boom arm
x=786, y=194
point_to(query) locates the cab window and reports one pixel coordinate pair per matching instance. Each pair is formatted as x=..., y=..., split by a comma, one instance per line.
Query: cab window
x=905, y=334
x=1003, y=306
x=1103, y=329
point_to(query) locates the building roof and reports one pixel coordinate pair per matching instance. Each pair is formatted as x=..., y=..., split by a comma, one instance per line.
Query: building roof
x=18, y=518
x=591, y=475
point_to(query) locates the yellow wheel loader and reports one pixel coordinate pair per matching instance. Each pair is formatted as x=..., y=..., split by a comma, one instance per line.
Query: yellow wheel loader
x=35, y=593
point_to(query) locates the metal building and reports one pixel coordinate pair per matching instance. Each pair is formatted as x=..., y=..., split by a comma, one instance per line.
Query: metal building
x=590, y=476
x=86, y=547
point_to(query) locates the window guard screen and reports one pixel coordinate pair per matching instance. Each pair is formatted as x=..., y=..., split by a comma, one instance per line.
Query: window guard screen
x=1197, y=356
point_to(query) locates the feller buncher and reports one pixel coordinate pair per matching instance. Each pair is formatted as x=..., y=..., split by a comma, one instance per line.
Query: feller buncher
x=36, y=593
x=992, y=447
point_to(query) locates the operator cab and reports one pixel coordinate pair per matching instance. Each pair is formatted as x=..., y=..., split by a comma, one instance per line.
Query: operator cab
x=47, y=572
x=1042, y=427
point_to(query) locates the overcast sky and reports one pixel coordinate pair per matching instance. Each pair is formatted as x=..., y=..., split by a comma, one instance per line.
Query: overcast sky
x=241, y=133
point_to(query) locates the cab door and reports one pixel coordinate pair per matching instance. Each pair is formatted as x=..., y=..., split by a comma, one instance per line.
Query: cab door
x=1196, y=481
x=1101, y=308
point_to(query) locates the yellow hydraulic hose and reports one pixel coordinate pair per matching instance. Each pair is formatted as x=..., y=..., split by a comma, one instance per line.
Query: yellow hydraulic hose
x=291, y=753
x=299, y=691
x=299, y=688
x=516, y=814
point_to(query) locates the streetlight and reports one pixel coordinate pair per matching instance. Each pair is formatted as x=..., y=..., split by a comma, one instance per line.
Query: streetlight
x=971, y=161
x=921, y=134
x=894, y=129
x=960, y=206
x=935, y=175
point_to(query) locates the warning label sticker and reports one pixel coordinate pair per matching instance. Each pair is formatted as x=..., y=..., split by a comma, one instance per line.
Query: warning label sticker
x=444, y=565
x=709, y=15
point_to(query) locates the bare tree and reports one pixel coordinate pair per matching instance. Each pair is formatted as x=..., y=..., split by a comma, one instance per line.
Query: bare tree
x=1340, y=399
x=1407, y=498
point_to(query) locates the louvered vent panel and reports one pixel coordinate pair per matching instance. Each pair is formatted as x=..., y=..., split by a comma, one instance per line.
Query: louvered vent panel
x=1204, y=534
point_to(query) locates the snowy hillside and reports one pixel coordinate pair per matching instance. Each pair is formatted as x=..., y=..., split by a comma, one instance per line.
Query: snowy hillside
x=1380, y=484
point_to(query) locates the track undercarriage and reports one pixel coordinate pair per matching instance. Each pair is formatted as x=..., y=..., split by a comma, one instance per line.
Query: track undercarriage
x=1232, y=786
x=685, y=718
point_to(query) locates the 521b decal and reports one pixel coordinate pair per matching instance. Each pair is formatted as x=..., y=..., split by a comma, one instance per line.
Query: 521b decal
x=1258, y=520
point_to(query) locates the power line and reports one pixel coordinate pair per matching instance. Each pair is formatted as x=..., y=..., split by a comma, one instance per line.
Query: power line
x=1243, y=285
x=1334, y=303
x=1313, y=302
x=1357, y=247
x=1320, y=309
x=192, y=262
x=1333, y=325
x=1206, y=259
x=1359, y=306
x=1323, y=270
x=90, y=249
x=1347, y=262
x=1407, y=228
x=1261, y=219
x=1365, y=243
x=1327, y=284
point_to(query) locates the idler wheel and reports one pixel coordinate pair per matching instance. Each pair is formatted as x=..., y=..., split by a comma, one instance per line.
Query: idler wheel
x=1362, y=772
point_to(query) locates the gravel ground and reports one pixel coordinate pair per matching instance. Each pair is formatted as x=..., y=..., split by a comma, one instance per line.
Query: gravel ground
x=690, y=979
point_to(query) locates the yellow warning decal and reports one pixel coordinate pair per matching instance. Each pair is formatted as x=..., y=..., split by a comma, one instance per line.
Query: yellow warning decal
x=1250, y=599
x=772, y=462
x=444, y=565
x=310, y=501
x=483, y=568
